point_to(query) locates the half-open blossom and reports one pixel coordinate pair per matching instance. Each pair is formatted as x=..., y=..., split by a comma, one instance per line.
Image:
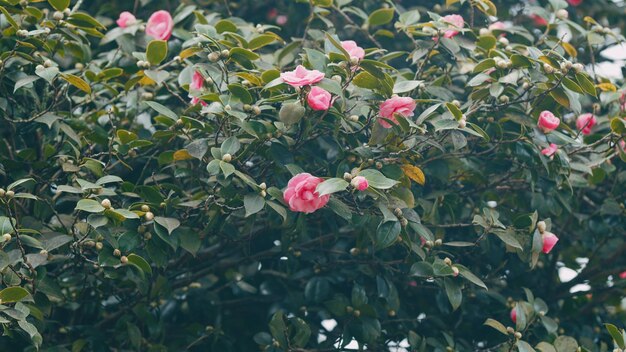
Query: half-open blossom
x=585, y=122
x=160, y=25
x=301, y=194
x=513, y=315
x=126, y=19
x=403, y=106
x=549, y=151
x=499, y=25
x=574, y=2
x=197, y=81
x=547, y=121
x=455, y=20
x=353, y=49
x=549, y=241
x=301, y=77
x=318, y=99
x=196, y=100
x=360, y=183
x=538, y=20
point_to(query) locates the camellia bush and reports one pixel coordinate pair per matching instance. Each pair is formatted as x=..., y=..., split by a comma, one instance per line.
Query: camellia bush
x=321, y=175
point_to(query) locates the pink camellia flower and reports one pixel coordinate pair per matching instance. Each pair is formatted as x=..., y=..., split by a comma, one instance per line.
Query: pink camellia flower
x=126, y=19
x=403, y=106
x=197, y=81
x=457, y=21
x=196, y=100
x=281, y=20
x=301, y=194
x=622, y=275
x=538, y=20
x=318, y=99
x=585, y=122
x=513, y=315
x=549, y=241
x=353, y=49
x=160, y=25
x=301, y=77
x=550, y=151
x=547, y=121
x=621, y=146
x=360, y=183
x=575, y=2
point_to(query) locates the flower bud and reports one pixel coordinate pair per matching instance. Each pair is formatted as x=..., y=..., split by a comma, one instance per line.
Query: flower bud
x=2, y=192
x=391, y=313
x=404, y=222
x=354, y=60
x=106, y=203
x=149, y=216
x=356, y=313
x=10, y=194
x=510, y=330
x=225, y=54
x=39, y=67
x=484, y=31
x=99, y=246
x=214, y=56
x=541, y=226
x=548, y=68
x=503, y=41
x=562, y=14
x=291, y=113
x=448, y=261
x=379, y=165
x=354, y=118
x=117, y=252
x=455, y=271
x=227, y=157
x=263, y=186
x=123, y=259
x=347, y=176
x=504, y=99
x=43, y=253
x=6, y=237
x=578, y=67
x=145, y=208
x=47, y=63
x=429, y=244
x=525, y=85
x=354, y=251
x=58, y=15
x=336, y=78
x=397, y=212
x=147, y=236
x=501, y=64
x=256, y=110
x=518, y=335
x=462, y=123
x=67, y=11
x=438, y=242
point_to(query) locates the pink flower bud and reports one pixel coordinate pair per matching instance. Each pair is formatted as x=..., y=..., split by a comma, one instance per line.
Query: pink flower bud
x=585, y=122
x=360, y=183
x=126, y=19
x=197, y=81
x=547, y=121
x=319, y=99
x=549, y=241
x=513, y=315
x=456, y=21
x=550, y=151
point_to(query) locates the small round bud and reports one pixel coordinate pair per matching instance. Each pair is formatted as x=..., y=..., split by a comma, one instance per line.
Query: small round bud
x=448, y=261
x=263, y=185
x=484, y=31
x=347, y=176
x=123, y=259
x=21, y=33
x=349, y=309
x=356, y=313
x=438, y=242
x=214, y=56
x=10, y=194
x=106, y=203
x=462, y=123
x=58, y=15
x=578, y=67
x=23, y=3
x=562, y=14
x=2, y=192
x=67, y=11
x=256, y=110
x=149, y=216
x=79, y=66
x=568, y=64
x=525, y=85
x=117, y=252
x=504, y=99
x=501, y=64
x=39, y=67
x=225, y=54
x=456, y=103
x=336, y=78
x=379, y=165
x=354, y=252
x=147, y=236
x=397, y=212
x=247, y=107
x=541, y=226
x=510, y=330
x=227, y=157
x=263, y=193
x=162, y=205
x=140, y=63
x=548, y=68
x=99, y=246
x=391, y=313
x=503, y=41
x=47, y=63
x=6, y=237
x=353, y=118
x=145, y=208
x=490, y=119
x=429, y=244
x=354, y=60
x=518, y=335
x=43, y=253
x=404, y=222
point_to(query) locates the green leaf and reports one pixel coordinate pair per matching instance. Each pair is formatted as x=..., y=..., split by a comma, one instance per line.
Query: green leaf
x=387, y=233
x=471, y=277
x=13, y=294
x=455, y=111
x=453, y=291
x=405, y=86
x=253, y=203
x=140, y=263
x=227, y=168
x=422, y=269
x=377, y=180
x=565, y=344
x=380, y=17
x=508, y=238
x=586, y=84
x=156, y=51
x=618, y=125
x=240, y=92
x=77, y=82
x=162, y=110
x=278, y=328
x=230, y=146
x=59, y=5
x=89, y=205
x=332, y=185
x=496, y=325
x=11, y=21
x=617, y=335
x=366, y=80
x=523, y=346
x=170, y=224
